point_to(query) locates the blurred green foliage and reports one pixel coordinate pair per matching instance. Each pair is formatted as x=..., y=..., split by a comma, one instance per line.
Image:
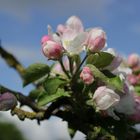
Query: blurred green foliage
x=9, y=131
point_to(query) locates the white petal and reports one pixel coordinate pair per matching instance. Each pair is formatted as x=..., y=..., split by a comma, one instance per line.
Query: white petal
x=56, y=38
x=75, y=23
x=95, y=32
x=105, y=98
x=126, y=104
x=67, y=37
x=50, y=32
x=111, y=51
x=76, y=46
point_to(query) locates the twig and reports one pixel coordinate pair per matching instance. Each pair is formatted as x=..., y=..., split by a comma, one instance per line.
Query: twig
x=22, y=114
x=12, y=61
x=24, y=100
x=51, y=110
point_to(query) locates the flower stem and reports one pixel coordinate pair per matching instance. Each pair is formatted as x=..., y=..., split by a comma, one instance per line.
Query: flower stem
x=77, y=70
x=63, y=68
x=70, y=65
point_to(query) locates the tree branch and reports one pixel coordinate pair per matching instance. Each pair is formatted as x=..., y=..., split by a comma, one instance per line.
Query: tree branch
x=24, y=100
x=12, y=61
x=25, y=114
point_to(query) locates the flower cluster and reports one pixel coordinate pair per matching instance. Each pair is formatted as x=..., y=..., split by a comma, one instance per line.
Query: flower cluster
x=70, y=40
x=86, y=83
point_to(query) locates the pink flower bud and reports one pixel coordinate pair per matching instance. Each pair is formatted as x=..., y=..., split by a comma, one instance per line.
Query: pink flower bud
x=105, y=98
x=52, y=50
x=44, y=39
x=96, y=40
x=132, y=79
x=133, y=60
x=87, y=76
x=7, y=101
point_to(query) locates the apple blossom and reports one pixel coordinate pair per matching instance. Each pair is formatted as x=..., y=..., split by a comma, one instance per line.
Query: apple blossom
x=73, y=42
x=87, y=76
x=105, y=98
x=132, y=79
x=96, y=40
x=7, y=101
x=116, y=60
x=73, y=36
x=133, y=60
x=52, y=50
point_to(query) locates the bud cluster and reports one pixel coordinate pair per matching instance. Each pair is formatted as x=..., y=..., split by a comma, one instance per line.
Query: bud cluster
x=70, y=40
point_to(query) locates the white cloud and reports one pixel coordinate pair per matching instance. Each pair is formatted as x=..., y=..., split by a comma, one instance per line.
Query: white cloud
x=23, y=9
x=52, y=129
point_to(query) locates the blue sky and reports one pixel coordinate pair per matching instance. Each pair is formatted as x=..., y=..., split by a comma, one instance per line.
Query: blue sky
x=24, y=22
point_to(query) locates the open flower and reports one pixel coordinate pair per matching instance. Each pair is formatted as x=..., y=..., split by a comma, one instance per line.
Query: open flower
x=87, y=76
x=73, y=36
x=96, y=40
x=105, y=98
x=116, y=60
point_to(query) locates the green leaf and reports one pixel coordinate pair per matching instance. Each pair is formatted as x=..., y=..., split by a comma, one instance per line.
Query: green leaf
x=45, y=98
x=52, y=84
x=111, y=82
x=136, y=71
x=35, y=72
x=116, y=82
x=108, y=73
x=34, y=94
x=137, y=89
x=100, y=60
